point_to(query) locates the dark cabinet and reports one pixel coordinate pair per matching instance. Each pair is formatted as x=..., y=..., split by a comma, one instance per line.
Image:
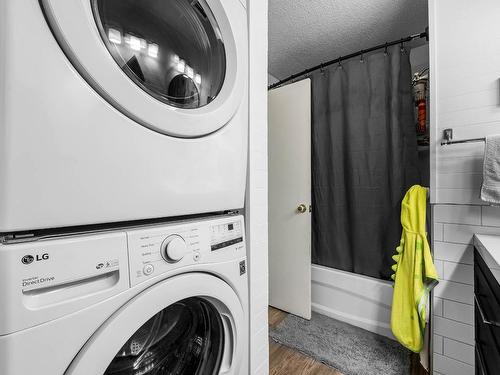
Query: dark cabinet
x=487, y=318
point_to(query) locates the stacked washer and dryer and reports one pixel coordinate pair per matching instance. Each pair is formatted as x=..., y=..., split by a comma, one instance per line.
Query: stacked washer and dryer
x=123, y=153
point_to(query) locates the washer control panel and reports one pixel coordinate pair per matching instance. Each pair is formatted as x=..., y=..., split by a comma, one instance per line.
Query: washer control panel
x=174, y=248
x=225, y=234
x=158, y=249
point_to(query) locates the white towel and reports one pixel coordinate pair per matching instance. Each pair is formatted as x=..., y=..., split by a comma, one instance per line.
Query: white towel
x=490, y=190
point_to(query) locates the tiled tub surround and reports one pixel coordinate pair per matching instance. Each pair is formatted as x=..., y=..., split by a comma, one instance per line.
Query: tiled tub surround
x=453, y=313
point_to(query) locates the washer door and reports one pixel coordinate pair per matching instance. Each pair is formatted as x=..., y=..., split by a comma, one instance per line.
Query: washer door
x=177, y=67
x=185, y=325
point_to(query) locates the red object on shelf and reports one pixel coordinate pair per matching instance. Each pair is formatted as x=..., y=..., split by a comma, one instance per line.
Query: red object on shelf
x=422, y=118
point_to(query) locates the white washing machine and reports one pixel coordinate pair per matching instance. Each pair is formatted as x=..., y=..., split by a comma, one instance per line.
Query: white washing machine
x=120, y=110
x=168, y=299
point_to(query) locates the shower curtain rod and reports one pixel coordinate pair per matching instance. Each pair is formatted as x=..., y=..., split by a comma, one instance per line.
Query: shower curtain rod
x=424, y=34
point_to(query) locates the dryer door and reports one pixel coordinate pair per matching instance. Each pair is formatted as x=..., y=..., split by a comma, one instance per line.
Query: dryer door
x=177, y=67
x=191, y=324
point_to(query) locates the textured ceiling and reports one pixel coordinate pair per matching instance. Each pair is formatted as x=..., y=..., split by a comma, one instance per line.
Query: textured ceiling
x=303, y=33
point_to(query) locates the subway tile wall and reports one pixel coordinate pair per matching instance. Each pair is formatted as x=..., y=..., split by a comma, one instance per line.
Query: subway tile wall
x=470, y=106
x=453, y=312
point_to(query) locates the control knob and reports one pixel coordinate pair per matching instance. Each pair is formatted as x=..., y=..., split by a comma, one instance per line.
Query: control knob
x=173, y=249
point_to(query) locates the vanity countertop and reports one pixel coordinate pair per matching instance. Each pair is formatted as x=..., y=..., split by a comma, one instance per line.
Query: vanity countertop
x=489, y=248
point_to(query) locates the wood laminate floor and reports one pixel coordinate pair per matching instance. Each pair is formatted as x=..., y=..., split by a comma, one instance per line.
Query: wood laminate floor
x=286, y=361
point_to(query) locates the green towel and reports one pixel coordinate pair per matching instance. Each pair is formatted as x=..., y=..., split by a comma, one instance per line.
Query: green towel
x=415, y=274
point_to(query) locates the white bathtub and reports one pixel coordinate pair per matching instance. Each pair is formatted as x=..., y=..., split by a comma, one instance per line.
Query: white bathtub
x=356, y=299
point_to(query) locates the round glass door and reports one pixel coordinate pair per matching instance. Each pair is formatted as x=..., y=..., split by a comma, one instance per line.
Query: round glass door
x=186, y=338
x=173, y=50
x=177, y=67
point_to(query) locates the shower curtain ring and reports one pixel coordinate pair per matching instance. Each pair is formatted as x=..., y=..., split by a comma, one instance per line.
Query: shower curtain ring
x=402, y=47
x=362, y=60
x=385, y=49
x=340, y=64
x=322, y=68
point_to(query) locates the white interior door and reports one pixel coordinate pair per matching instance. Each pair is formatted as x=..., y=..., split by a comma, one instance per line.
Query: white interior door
x=290, y=198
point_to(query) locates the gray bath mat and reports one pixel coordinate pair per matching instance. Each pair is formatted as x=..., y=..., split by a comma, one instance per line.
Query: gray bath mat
x=349, y=349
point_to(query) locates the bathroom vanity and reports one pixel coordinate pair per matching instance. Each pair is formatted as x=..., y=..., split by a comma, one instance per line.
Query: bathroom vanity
x=487, y=303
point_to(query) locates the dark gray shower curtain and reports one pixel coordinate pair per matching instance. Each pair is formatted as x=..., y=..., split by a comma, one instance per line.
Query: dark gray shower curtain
x=364, y=158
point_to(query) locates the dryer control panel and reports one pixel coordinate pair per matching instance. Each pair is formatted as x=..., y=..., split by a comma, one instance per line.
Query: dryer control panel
x=159, y=249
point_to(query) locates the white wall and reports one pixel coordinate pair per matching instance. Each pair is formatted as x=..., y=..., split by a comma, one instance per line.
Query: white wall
x=419, y=58
x=465, y=71
x=465, y=85
x=256, y=203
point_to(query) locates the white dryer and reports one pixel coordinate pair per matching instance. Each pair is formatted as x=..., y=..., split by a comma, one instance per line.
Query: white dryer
x=168, y=299
x=120, y=110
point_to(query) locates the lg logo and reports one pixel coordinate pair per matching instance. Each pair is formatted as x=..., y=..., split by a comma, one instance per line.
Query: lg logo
x=28, y=259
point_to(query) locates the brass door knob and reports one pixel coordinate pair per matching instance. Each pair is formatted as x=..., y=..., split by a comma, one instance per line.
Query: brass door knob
x=302, y=208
